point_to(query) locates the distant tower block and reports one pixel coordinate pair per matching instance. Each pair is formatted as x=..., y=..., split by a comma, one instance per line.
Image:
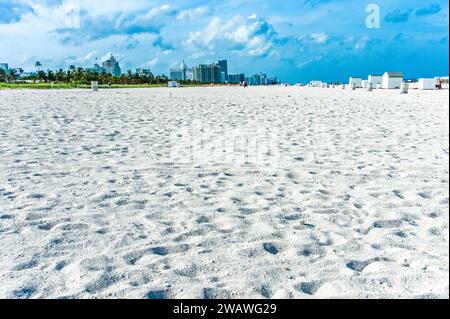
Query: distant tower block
x=94, y=86
x=369, y=86
x=404, y=88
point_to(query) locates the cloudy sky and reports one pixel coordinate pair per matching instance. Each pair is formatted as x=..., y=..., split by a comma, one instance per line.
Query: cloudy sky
x=297, y=40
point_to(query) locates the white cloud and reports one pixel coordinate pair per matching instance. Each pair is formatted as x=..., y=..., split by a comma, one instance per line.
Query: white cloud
x=307, y=62
x=250, y=36
x=153, y=62
x=320, y=38
x=192, y=13
x=117, y=56
x=162, y=10
x=362, y=43
x=90, y=55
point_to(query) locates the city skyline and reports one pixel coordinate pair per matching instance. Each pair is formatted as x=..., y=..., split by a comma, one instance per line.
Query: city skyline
x=217, y=72
x=328, y=40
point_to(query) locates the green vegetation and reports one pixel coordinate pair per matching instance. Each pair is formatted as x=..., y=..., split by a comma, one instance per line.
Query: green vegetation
x=4, y=86
x=36, y=86
x=72, y=86
x=76, y=77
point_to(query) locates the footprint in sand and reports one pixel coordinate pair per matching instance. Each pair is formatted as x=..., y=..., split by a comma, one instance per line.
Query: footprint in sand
x=399, y=194
x=216, y=293
x=309, y=288
x=359, y=266
x=271, y=248
x=425, y=195
x=158, y=294
x=312, y=251
x=101, y=283
x=390, y=223
x=133, y=257
x=24, y=293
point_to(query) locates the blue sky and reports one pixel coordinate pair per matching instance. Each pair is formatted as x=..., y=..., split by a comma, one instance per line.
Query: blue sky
x=296, y=40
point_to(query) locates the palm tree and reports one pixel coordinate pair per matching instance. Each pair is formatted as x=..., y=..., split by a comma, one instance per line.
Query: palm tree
x=129, y=77
x=42, y=76
x=78, y=75
x=50, y=76
x=123, y=79
x=11, y=75
x=2, y=75
x=38, y=65
x=59, y=75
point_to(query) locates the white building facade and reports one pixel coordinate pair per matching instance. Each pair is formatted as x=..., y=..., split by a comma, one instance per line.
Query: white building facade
x=427, y=84
x=375, y=79
x=315, y=84
x=392, y=80
x=355, y=82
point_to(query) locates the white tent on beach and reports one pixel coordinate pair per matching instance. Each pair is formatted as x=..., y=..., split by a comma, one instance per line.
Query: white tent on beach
x=355, y=82
x=392, y=80
x=172, y=84
x=427, y=84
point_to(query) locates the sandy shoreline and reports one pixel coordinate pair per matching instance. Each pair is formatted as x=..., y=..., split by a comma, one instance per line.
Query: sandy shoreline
x=93, y=206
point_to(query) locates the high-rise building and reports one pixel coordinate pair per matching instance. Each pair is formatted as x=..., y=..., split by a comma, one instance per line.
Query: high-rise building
x=179, y=74
x=111, y=66
x=200, y=72
x=258, y=79
x=214, y=73
x=274, y=80
x=183, y=68
x=143, y=71
x=236, y=78
x=262, y=79
x=175, y=74
x=190, y=74
x=96, y=69
x=224, y=68
x=4, y=66
x=207, y=73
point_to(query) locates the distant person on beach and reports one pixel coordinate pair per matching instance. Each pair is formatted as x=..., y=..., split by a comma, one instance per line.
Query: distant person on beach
x=245, y=84
x=439, y=84
x=109, y=83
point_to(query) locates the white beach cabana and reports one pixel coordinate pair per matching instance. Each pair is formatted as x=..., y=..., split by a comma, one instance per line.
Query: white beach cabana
x=365, y=84
x=315, y=84
x=427, y=84
x=375, y=79
x=355, y=82
x=94, y=86
x=172, y=84
x=392, y=80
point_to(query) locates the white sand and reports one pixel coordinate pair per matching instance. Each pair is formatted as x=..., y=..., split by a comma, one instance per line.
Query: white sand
x=91, y=208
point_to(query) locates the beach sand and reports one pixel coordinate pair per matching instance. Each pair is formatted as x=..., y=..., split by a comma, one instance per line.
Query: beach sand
x=354, y=201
